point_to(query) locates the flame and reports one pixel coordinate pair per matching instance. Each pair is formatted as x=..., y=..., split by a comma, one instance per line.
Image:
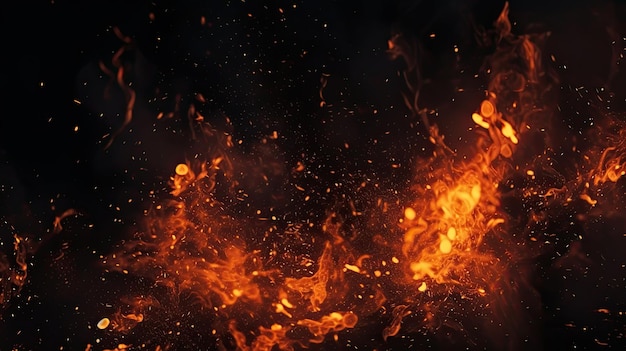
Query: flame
x=119, y=77
x=457, y=198
x=192, y=247
x=188, y=247
x=13, y=276
x=180, y=254
x=314, y=287
x=335, y=321
x=124, y=321
x=438, y=251
x=611, y=163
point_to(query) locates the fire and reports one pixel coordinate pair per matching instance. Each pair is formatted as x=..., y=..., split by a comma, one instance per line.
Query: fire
x=193, y=248
x=228, y=252
x=335, y=321
x=457, y=204
x=314, y=287
x=188, y=248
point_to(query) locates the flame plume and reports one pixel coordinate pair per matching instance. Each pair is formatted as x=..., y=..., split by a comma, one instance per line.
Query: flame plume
x=446, y=244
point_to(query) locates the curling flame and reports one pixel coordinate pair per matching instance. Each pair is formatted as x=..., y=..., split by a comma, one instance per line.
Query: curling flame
x=125, y=320
x=314, y=287
x=335, y=321
x=610, y=168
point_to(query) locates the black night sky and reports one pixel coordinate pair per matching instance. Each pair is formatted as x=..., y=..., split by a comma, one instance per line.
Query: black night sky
x=307, y=82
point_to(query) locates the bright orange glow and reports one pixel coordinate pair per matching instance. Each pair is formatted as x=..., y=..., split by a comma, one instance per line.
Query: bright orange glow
x=487, y=109
x=276, y=283
x=182, y=169
x=103, y=323
x=422, y=202
x=335, y=321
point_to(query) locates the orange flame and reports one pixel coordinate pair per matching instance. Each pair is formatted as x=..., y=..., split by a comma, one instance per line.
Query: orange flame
x=444, y=247
x=457, y=202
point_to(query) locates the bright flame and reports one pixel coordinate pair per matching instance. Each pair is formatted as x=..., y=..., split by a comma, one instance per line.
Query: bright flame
x=444, y=241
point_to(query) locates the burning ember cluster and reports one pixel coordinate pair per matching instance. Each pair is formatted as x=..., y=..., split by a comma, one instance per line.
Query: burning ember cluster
x=440, y=259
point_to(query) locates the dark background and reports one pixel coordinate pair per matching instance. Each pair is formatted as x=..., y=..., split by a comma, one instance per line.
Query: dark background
x=263, y=72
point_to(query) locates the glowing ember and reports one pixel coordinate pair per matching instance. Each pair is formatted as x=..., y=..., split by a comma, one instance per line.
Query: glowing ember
x=182, y=169
x=104, y=323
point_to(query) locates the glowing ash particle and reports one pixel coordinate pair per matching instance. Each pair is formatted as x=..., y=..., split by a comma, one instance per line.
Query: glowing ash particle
x=182, y=169
x=445, y=246
x=451, y=233
x=478, y=119
x=104, y=323
x=487, y=109
x=409, y=213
